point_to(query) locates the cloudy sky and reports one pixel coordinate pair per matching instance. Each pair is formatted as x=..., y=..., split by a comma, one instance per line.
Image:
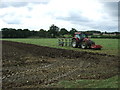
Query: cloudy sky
x=79, y=14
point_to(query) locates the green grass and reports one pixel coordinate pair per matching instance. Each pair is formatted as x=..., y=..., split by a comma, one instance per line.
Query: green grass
x=83, y=83
x=110, y=46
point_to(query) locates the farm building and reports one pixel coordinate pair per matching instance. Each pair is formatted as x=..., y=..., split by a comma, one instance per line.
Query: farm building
x=110, y=34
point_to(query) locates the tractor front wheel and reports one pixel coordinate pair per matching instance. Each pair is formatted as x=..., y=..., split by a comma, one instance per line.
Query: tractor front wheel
x=74, y=43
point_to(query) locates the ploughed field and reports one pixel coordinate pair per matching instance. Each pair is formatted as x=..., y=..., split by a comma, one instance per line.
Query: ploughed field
x=32, y=66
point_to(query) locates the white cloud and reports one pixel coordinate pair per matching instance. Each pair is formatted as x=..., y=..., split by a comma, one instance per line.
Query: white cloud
x=85, y=14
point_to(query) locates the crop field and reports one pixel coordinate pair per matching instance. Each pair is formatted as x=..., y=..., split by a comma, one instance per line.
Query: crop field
x=110, y=46
x=33, y=64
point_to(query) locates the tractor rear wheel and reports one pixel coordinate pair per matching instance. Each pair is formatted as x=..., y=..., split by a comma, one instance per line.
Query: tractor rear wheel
x=84, y=45
x=74, y=43
x=90, y=43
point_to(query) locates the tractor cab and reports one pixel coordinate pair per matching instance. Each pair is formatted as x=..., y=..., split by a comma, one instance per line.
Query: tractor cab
x=80, y=36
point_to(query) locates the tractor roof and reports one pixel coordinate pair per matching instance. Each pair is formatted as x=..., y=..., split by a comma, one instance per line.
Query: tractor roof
x=77, y=32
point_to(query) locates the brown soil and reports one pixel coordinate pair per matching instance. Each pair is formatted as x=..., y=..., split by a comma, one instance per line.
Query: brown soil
x=27, y=65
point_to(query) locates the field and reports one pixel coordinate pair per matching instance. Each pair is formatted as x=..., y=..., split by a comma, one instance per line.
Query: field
x=34, y=66
x=110, y=46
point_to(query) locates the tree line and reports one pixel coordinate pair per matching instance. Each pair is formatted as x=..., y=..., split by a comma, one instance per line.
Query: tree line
x=53, y=32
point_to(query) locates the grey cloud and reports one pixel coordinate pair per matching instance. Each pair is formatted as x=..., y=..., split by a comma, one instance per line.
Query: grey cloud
x=14, y=4
x=74, y=17
x=111, y=5
x=103, y=27
x=96, y=25
x=119, y=9
x=111, y=8
x=11, y=14
x=20, y=4
x=13, y=21
x=11, y=18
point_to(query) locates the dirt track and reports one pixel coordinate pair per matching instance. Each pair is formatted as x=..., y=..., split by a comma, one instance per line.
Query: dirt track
x=26, y=65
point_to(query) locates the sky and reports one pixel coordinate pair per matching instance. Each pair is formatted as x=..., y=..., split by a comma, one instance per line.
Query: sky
x=82, y=15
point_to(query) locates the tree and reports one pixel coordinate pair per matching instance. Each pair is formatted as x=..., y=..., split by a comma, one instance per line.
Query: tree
x=8, y=33
x=20, y=33
x=5, y=32
x=42, y=33
x=34, y=33
x=26, y=33
x=12, y=32
x=54, y=31
x=72, y=31
x=63, y=31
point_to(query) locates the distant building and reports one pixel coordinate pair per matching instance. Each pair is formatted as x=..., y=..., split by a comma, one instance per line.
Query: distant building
x=96, y=33
x=109, y=34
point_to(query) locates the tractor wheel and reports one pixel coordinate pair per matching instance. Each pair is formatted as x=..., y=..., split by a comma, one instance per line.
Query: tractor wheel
x=84, y=45
x=74, y=43
x=90, y=43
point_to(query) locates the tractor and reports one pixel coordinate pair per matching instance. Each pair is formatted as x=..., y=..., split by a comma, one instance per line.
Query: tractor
x=81, y=40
